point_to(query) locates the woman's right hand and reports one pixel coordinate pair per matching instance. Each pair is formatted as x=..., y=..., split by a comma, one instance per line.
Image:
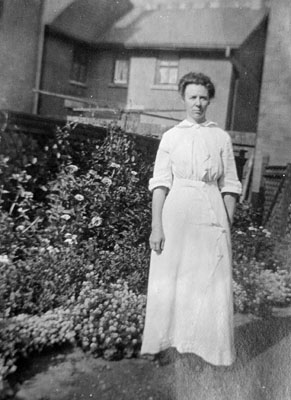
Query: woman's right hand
x=157, y=239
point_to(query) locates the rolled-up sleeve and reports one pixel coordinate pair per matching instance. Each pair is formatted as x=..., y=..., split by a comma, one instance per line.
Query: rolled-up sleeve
x=163, y=169
x=229, y=181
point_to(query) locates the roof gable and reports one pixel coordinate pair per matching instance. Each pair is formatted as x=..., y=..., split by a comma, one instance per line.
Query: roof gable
x=86, y=20
x=104, y=23
x=196, y=28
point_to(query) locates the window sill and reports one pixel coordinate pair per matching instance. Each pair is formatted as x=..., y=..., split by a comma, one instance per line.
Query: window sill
x=76, y=83
x=118, y=85
x=164, y=87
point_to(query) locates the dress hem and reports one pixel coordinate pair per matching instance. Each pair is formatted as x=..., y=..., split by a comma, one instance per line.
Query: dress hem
x=186, y=348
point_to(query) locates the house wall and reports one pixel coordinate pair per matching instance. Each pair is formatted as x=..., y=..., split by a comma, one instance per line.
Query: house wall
x=100, y=81
x=144, y=94
x=19, y=32
x=248, y=61
x=56, y=78
x=274, y=128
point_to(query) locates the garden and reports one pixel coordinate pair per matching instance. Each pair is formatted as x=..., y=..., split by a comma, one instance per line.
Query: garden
x=74, y=254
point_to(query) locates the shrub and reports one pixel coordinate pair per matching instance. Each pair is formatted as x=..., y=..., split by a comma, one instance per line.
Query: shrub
x=276, y=285
x=109, y=319
x=257, y=290
x=104, y=319
x=251, y=240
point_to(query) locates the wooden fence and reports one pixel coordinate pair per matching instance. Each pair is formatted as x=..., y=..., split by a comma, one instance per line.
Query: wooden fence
x=19, y=131
x=277, y=200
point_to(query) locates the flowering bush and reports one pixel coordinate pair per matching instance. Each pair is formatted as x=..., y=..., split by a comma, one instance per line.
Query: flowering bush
x=107, y=320
x=74, y=255
x=250, y=239
x=260, y=279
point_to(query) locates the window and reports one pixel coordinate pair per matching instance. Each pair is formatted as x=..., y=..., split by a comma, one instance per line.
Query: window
x=121, y=70
x=167, y=70
x=79, y=66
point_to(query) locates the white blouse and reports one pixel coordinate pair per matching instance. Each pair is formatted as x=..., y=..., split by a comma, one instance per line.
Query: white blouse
x=199, y=152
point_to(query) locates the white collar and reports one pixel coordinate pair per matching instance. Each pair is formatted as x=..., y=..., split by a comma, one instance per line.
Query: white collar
x=188, y=124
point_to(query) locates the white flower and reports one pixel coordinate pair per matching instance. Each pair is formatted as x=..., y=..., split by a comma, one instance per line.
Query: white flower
x=114, y=165
x=58, y=155
x=66, y=217
x=116, y=247
x=134, y=173
x=4, y=259
x=46, y=148
x=20, y=228
x=252, y=228
x=28, y=177
x=70, y=239
x=106, y=181
x=15, y=176
x=50, y=249
x=28, y=195
x=34, y=160
x=55, y=146
x=72, y=168
x=95, y=221
x=79, y=197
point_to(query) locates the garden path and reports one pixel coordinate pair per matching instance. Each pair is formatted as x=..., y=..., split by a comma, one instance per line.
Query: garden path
x=262, y=371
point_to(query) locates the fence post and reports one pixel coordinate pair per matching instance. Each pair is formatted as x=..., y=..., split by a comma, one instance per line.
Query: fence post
x=286, y=199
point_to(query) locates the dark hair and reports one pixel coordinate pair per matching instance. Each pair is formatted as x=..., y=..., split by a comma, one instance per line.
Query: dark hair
x=197, y=79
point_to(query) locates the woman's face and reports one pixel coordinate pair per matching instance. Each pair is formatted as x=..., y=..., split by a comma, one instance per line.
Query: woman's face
x=196, y=101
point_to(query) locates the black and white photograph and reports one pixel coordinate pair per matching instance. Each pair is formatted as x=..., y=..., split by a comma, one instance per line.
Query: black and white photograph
x=145, y=199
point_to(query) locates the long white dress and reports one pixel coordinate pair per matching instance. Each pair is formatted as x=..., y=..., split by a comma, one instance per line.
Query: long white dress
x=190, y=304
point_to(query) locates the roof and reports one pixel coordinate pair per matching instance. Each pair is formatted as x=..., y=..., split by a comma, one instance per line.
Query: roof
x=204, y=28
x=196, y=28
x=87, y=20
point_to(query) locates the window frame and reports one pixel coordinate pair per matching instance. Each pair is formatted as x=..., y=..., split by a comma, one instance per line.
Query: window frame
x=116, y=82
x=169, y=62
x=79, y=66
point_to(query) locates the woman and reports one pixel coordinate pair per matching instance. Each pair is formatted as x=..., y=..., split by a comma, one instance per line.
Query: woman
x=194, y=186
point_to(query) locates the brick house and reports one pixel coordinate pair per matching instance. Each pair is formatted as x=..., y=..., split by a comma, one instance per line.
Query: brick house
x=136, y=63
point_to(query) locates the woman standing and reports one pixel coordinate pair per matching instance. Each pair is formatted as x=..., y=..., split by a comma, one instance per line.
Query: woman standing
x=195, y=185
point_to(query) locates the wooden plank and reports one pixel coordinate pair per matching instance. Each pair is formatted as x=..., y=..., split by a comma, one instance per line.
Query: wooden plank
x=285, y=202
x=247, y=180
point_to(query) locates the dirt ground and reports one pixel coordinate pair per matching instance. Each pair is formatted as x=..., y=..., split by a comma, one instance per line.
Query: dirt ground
x=262, y=371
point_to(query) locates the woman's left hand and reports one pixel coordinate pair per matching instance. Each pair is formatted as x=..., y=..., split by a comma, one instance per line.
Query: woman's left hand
x=229, y=200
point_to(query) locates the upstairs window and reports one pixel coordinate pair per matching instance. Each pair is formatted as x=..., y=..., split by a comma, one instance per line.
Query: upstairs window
x=121, y=71
x=167, y=70
x=79, y=67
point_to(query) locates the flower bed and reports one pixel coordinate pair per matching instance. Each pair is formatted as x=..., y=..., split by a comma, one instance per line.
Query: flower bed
x=74, y=250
